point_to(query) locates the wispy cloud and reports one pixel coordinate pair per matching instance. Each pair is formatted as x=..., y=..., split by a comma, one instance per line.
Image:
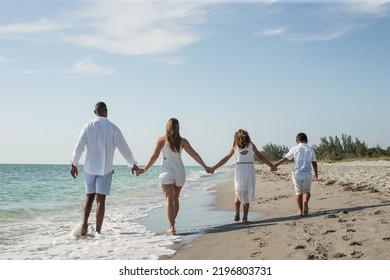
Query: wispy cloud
x=39, y=26
x=373, y=8
x=138, y=28
x=272, y=31
x=319, y=21
x=122, y=27
x=88, y=67
x=85, y=66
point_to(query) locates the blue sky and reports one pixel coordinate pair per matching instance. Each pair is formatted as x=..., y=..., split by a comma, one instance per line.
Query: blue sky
x=275, y=68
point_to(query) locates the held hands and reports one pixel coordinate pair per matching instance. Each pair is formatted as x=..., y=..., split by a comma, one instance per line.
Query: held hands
x=210, y=170
x=140, y=171
x=134, y=168
x=273, y=168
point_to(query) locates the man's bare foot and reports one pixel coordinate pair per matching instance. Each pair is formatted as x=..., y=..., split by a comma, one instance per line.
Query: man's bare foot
x=84, y=230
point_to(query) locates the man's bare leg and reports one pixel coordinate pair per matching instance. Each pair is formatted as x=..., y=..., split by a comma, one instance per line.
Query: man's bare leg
x=87, y=210
x=100, y=209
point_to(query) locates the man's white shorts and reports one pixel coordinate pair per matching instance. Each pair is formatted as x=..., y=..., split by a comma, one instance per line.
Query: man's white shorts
x=98, y=184
x=301, y=186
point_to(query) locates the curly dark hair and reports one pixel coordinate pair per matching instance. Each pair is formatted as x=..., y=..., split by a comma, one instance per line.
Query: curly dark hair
x=241, y=139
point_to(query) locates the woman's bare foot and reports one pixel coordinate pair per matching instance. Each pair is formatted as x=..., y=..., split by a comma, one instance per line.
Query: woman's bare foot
x=171, y=231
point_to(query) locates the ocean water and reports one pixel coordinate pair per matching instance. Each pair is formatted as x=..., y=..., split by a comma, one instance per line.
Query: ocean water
x=41, y=208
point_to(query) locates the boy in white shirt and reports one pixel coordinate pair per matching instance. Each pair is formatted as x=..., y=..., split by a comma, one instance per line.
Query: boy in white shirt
x=304, y=157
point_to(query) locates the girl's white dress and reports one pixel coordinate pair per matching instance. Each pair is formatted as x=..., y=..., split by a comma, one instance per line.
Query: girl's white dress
x=244, y=181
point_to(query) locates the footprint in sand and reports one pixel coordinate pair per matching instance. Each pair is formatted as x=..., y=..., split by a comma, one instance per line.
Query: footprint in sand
x=355, y=243
x=330, y=182
x=331, y=216
x=260, y=242
x=300, y=247
x=357, y=254
x=329, y=231
x=339, y=255
x=386, y=238
x=346, y=237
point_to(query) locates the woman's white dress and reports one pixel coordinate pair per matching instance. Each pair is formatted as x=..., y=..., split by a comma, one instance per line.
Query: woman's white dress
x=244, y=182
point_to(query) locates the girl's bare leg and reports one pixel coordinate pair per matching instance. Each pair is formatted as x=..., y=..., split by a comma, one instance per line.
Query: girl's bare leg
x=246, y=210
x=237, y=204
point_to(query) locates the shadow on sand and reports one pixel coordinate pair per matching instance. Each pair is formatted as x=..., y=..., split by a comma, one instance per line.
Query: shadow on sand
x=273, y=221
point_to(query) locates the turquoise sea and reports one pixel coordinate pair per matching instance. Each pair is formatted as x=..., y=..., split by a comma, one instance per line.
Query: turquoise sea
x=41, y=208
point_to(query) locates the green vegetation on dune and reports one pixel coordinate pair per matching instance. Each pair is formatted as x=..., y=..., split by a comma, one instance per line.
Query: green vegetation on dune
x=331, y=149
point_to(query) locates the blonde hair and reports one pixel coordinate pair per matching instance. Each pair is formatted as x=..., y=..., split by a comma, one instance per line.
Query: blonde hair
x=241, y=139
x=172, y=134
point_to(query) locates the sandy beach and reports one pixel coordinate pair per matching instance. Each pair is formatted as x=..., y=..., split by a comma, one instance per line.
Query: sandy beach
x=349, y=218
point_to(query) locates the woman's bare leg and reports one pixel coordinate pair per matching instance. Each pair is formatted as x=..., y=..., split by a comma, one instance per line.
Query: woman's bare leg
x=176, y=204
x=170, y=206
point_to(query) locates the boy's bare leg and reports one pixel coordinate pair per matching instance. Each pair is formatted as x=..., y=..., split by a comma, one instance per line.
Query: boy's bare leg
x=306, y=198
x=299, y=199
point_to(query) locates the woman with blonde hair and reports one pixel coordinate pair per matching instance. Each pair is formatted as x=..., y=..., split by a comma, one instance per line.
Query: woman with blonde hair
x=172, y=176
x=244, y=179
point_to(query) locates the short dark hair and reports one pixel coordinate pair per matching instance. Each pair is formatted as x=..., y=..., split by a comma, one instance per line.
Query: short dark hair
x=100, y=107
x=301, y=137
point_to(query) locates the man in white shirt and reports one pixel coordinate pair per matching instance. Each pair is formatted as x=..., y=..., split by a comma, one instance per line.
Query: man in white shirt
x=304, y=157
x=101, y=137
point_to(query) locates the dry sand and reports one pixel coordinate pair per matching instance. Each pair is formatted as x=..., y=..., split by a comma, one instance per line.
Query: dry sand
x=349, y=218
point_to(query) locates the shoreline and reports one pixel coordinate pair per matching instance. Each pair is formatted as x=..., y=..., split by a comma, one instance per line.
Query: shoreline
x=349, y=218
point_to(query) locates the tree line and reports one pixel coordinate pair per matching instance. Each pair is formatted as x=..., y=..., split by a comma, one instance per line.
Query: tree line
x=332, y=149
